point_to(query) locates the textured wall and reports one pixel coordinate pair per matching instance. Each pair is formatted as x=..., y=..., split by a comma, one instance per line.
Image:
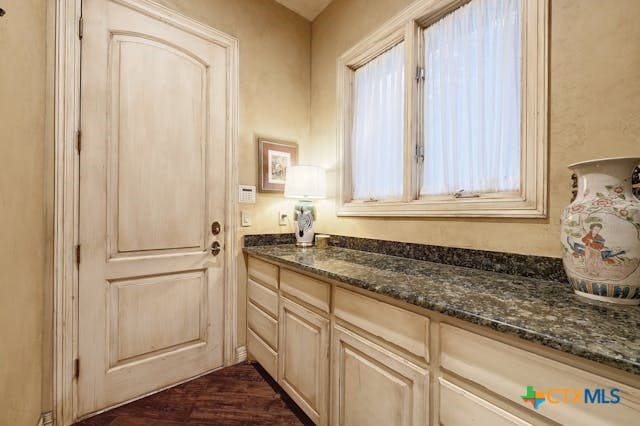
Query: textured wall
x=22, y=207
x=594, y=109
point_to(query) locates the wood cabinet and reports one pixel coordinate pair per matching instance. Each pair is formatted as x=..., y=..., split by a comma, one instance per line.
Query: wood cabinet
x=370, y=382
x=262, y=314
x=402, y=329
x=460, y=407
x=508, y=370
x=349, y=357
x=304, y=358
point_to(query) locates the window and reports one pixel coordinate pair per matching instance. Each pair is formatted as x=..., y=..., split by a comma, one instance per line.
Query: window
x=472, y=100
x=378, y=127
x=443, y=112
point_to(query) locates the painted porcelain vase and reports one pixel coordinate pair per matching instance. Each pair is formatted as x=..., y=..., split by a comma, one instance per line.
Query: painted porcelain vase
x=600, y=232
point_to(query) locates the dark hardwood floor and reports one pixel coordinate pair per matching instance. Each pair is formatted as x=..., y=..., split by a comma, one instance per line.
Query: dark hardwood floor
x=239, y=395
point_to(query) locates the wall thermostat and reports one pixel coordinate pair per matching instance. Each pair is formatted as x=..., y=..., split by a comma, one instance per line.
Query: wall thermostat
x=247, y=194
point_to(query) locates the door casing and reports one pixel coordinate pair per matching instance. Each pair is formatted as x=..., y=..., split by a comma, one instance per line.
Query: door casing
x=66, y=190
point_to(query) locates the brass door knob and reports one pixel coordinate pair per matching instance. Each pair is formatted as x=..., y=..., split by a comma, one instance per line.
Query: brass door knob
x=215, y=248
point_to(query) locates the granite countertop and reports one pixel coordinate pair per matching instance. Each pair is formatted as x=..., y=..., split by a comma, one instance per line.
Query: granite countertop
x=544, y=312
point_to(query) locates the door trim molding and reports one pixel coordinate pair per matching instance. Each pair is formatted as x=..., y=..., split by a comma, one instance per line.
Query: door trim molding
x=66, y=190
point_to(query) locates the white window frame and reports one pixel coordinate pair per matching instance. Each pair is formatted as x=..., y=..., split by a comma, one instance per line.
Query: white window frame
x=407, y=26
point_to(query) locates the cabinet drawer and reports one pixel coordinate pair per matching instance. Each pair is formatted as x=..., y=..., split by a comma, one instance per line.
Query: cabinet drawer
x=460, y=407
x=314, y=292
x=263, y=272
x=262, y=353
x=263, y=325
x=397, y=326
x=508, y=371
x=263, y=297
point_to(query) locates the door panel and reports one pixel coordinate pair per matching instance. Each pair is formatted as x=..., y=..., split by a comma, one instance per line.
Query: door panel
x=152, y=178
x=303, y=351
x=459, y=407
x=152, y=315
x=370, y=382
x=158, y=195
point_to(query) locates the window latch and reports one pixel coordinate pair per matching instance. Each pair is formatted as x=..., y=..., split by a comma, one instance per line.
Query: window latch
x=419, y=74
x=460, y=194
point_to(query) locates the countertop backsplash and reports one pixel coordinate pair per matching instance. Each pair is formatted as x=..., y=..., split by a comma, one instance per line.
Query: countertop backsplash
x=540, y=267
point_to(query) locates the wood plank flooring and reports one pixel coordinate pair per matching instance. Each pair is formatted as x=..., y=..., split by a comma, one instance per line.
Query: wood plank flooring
x=239, y=395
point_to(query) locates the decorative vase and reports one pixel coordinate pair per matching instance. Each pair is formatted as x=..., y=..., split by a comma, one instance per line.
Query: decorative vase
x=600, y=232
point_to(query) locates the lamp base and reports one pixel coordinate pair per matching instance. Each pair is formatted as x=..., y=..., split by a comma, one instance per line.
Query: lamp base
x=305, y=212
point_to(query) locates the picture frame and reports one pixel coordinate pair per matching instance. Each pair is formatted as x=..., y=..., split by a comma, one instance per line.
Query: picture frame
x=274, y=157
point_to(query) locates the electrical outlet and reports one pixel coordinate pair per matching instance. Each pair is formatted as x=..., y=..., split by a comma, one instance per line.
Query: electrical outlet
x=283, y=218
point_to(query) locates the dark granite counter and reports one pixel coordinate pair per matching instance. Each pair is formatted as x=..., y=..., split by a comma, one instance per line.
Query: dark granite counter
x=544, y=312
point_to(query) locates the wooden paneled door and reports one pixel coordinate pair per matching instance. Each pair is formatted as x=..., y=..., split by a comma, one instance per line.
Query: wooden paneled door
x=153, y=175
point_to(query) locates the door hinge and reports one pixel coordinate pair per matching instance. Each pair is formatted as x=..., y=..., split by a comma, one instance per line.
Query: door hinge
x=78, y=255
x=79, y=141
x=76, y=368
x=420, y=152
x=80, y=28
x=419, y=74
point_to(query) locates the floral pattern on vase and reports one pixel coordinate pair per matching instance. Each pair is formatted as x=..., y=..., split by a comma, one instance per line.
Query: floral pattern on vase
x=600, y=232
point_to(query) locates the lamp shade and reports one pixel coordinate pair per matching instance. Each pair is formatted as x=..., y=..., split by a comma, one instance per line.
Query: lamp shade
x=305, y=182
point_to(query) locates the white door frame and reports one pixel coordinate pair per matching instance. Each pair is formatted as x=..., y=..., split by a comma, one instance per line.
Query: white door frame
x=66, y=190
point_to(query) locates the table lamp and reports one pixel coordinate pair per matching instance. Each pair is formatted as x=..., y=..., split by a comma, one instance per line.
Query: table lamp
x=305, y=183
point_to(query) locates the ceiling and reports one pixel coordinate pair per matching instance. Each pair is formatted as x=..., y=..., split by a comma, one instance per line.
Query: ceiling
x=307, y=8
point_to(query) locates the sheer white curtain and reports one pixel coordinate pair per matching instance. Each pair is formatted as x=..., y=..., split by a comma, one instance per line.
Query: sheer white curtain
x=472, y=100
x=377, y=142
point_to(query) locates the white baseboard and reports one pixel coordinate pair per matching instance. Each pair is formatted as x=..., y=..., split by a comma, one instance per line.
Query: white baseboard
x=241, y=354
x=46, y=419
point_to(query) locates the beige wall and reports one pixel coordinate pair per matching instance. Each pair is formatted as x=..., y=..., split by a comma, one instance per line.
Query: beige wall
x=22, y=209
x=594, y=112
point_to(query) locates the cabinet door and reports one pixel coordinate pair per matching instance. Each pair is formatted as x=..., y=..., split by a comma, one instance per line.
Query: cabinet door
x=304, y=358
x=371, y=385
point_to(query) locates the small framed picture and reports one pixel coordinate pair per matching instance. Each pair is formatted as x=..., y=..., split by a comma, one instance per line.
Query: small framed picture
x=274, y=158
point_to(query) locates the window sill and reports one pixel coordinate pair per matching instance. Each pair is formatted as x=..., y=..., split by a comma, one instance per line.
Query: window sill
x=463, y=207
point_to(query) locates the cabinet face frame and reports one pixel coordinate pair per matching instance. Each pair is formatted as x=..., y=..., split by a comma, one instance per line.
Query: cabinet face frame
x=414, y=409
x=315, y=406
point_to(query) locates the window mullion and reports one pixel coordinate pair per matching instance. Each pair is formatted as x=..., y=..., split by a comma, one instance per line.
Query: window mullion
x=419, y=113
x=411, y=109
